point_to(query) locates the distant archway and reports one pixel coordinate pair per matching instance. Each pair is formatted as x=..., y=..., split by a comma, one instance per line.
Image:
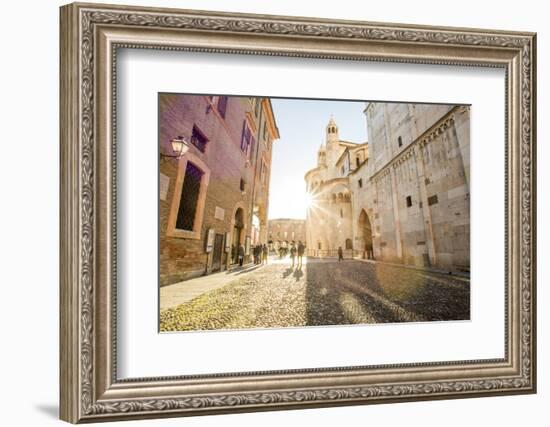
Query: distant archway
x=365, y=235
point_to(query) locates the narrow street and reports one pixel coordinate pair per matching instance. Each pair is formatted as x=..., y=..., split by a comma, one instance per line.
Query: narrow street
x=322, y=292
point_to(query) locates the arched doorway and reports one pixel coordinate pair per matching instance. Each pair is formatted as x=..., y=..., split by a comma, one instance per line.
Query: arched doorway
x=237, y=232
x=365, y=235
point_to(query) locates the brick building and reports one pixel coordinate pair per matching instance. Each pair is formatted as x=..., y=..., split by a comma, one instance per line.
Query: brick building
x=283, y=231
x=215, y=197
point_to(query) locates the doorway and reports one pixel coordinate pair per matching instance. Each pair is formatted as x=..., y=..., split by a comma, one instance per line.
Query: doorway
x=217, y=253
x=365, y=235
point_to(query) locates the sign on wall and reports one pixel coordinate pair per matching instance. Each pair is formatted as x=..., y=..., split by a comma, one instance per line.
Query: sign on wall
x=219, y=213
x=210, y=240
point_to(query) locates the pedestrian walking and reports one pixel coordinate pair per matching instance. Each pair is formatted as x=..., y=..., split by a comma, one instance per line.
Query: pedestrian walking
x=264, y=254
x=301, y=250
x=257, y=253
x=292, y=254
x=340, y=254
x=241, y=255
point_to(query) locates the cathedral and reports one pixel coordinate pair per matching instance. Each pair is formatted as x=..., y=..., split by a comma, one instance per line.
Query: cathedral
x=403, y=197
x=329, y=217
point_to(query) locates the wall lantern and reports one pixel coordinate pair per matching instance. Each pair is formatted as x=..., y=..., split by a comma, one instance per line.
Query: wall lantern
x=179, y=147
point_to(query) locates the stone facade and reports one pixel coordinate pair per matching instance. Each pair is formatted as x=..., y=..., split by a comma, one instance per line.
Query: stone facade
x=283, y=231
x=219, y=186
x=410, y=198
x=329, y=218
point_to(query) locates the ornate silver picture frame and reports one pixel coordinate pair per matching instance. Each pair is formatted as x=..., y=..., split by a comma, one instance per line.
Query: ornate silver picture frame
x=91, y=390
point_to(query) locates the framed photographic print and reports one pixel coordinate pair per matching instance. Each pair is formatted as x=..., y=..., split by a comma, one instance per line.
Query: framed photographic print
x=267, y=212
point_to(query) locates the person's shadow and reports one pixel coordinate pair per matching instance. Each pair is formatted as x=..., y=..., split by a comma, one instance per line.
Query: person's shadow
x=298, y=273
x=287, y=272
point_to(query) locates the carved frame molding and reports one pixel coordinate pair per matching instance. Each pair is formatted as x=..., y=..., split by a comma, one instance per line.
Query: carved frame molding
x=90, y=37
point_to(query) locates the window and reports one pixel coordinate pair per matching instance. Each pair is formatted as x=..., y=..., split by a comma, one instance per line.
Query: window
x=357, y=161
x=247, y=140
x=409, y=201
x=341, y=213
x=360, y=182
x=258, y=103
x=349, y=244
x=222, y=105
x=242, y=185
x=265, y=132
x=343, y=170
x=432, y=200
x=198, y=139
x=399, y=141
x=189, y=197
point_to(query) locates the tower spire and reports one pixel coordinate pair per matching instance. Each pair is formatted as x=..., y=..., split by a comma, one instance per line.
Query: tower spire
x=332, y=131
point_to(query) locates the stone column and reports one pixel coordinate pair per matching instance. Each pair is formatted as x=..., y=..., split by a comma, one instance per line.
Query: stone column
x=396, y=220
x=428, y=227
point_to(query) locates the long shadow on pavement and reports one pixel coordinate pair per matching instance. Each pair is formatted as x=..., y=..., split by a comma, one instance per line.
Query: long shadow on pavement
x=354, y=292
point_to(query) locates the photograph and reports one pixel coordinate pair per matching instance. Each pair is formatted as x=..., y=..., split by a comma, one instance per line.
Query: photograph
x=291, y=212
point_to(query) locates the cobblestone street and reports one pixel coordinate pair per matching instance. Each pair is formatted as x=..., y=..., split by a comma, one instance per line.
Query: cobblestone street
x=324, y=292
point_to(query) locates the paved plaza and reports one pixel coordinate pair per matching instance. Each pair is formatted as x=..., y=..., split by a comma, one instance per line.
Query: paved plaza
x=320, y=292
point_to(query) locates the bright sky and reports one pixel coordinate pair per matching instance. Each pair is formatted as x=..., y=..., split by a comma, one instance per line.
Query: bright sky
x=302, y=125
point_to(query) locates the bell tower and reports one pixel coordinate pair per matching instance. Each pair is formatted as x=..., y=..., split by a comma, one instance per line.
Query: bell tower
x=332, y=134
x=333, y=149
x=321, y=157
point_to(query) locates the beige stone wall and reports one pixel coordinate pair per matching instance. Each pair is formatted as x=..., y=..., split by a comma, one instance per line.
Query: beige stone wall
x=261, y=112
x=329, y=220
x=416, y=195
x=405, y=194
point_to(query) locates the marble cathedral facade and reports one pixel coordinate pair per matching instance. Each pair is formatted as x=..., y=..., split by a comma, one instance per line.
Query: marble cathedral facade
x=404, y=197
